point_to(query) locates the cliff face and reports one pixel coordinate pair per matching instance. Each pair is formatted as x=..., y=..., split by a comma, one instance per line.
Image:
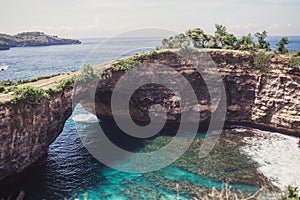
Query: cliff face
x=27, y=130
x=268, y=100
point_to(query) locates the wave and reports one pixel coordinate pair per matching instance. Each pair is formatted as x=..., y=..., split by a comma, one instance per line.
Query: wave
x=4, y=67
x=85, y=118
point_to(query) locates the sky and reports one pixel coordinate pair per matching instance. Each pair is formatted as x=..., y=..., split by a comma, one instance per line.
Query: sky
x=103, y=18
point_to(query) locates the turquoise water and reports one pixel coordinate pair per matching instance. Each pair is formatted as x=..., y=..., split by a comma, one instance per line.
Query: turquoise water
x=71, y=172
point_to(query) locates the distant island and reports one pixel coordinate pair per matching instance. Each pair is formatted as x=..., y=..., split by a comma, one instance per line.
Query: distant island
x=26, y=39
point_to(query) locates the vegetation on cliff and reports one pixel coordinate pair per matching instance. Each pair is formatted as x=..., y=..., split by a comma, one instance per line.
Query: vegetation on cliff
x=32, y=39
x=262, y=61
x=30, y=94
x=221, y=39
x=281, y=45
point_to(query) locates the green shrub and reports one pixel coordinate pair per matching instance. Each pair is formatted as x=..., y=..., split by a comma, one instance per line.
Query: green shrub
x=291, y=193
x=7, y=83
x=153, y=54
x=295, y=61
x=246, y=43
x=10, y=89
x=125, y=64
x=281, y=48
x=30, y=94
x=262, y=61
x=63, y=84
x=86, y=74
x=262, y=43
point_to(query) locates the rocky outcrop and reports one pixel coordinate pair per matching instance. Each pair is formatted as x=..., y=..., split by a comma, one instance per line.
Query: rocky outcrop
x=4, y=45
x=32, y=39
x=267, y=100
x=27, y=130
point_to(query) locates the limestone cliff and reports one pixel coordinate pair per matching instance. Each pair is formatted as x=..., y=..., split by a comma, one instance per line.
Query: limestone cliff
x=268, y=100
x=27, y=130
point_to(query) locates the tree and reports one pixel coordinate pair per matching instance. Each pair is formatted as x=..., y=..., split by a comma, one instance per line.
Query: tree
x=281, y=45
x=230, y=41
x=246, y=43
x=199, y=38
x=165, y=43
x=178, y=41
x=262, y=43
x=220, y=34
x=220, y=30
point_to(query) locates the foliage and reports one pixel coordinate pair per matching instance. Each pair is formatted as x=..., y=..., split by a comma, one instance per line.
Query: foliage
x=246, y=43
x=281, y=45
x=153, y=54
x=220, y=34
x=221, y=39
x=32, y=95
x=198, y=37
x=262, y=61
x=262, y=43
x=187, y=51
x=86, y=74
x=29, y=34
x=294, y=53
x=176, y=42
x=7, y=82
x=229, y=41
x=125, y=64
x=291, y=193
x=63, y=84
x=295, y=61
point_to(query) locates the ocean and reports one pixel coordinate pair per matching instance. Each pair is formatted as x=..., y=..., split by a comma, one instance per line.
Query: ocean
x=30, y=62
x=71, y=172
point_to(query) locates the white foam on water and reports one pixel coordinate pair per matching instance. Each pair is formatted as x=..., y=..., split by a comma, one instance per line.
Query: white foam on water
x=86, y=118
x=278, y=156
x=4, y=67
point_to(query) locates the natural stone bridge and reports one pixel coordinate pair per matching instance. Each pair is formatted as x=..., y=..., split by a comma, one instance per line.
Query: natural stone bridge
x=267, y=100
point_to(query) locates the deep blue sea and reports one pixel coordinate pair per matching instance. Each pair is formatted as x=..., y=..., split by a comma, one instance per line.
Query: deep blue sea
x=70, y=172
x=30, y=62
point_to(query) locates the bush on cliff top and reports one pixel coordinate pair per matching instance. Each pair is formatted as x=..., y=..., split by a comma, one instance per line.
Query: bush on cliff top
x=295, y=61
x=86, y=74
x=125, y=64
x=31, y=95
x=262, y=61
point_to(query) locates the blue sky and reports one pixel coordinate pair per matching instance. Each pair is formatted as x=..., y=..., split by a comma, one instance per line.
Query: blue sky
x=102, y=18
